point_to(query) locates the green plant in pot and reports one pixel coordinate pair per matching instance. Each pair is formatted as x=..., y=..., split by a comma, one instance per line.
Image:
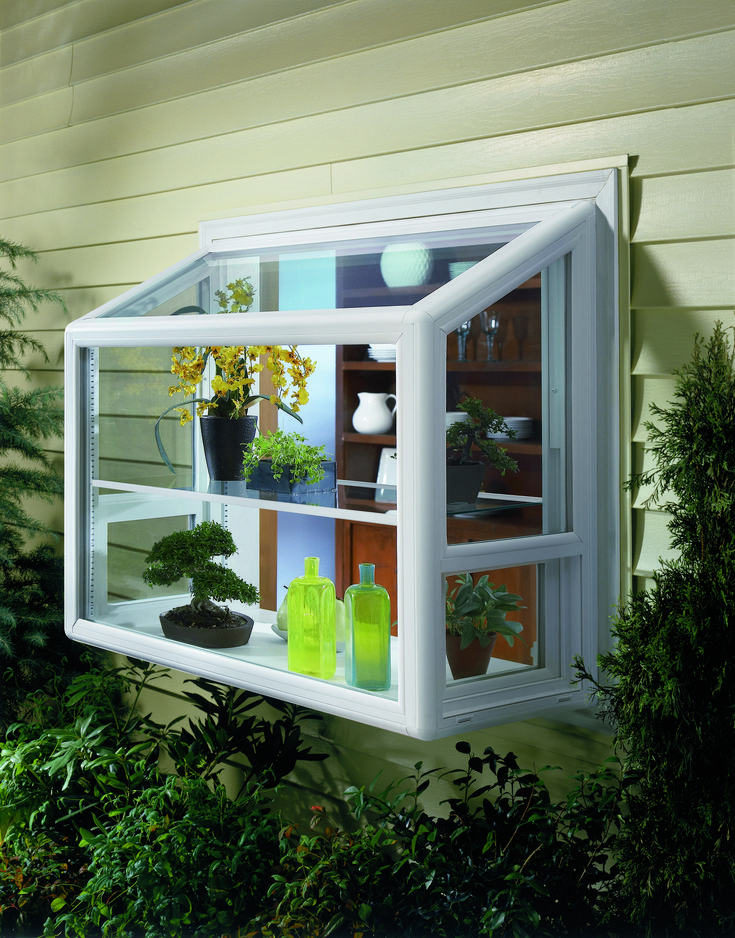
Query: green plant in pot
x=287, y=462
x=236, y=369
x=475, y=614
x=471, y=449
x=190, y=554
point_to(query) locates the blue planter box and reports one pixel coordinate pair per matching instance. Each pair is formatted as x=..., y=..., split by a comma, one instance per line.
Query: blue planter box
x=262, y=479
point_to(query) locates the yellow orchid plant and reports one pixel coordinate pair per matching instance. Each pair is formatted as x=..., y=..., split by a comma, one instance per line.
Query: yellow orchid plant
x=236, y=370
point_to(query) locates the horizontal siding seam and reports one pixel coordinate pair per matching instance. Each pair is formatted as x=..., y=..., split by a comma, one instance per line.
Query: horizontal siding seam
x=692, y=239
x=680, y=308
x=427, y=89
x=695, y=171
x=138, y=19
x=483, y=134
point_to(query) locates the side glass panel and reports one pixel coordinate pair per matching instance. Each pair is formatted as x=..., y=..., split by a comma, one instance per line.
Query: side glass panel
x=514, y=600
x=127, y=545
x=129, y=394
x=275, y=525
x=511, y=360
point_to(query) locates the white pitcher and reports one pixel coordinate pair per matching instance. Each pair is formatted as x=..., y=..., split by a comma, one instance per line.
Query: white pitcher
x=373, y=415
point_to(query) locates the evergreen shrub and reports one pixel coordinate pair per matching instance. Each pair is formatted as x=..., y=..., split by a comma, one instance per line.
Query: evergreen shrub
x=672, y=694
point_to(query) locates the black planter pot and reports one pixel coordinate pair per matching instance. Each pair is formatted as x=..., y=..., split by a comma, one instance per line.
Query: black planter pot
x=262, y=479
x=225, y=442
x=229, y=637
x=464, y=483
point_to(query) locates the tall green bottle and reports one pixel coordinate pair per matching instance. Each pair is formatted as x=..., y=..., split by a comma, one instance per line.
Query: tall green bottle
x=367, y=632
x=312, y=641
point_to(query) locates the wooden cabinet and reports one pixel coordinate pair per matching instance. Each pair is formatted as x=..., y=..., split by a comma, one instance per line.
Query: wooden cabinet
x=510, y=384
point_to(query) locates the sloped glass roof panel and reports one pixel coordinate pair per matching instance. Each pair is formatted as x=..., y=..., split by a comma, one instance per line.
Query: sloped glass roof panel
x=377, y=270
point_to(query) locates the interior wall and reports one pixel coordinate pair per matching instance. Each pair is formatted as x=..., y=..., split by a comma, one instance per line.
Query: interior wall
x=122, y=126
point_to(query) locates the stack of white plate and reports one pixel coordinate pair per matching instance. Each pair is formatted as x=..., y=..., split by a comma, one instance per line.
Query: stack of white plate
x=382, y=353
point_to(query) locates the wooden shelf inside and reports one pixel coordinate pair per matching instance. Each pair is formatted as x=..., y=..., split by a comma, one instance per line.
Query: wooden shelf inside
x=489, y=368
x=380, y=439
x=469, y=366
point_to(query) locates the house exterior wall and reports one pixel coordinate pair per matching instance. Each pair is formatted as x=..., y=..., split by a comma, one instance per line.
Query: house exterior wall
x=122, y=126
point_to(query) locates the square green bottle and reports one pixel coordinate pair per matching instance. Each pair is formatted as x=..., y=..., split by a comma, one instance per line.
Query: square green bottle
x=367, y=632
x=312, y=638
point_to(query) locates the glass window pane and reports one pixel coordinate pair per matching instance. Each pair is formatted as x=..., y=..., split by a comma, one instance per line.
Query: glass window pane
x=511, y=358
x=479, y=603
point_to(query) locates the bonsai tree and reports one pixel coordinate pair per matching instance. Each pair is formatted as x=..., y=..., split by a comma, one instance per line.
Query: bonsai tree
x=33, y=648
x=290, y=451
x=672, y=699
x=189, y=554
x=478, y=610
x=468, y=439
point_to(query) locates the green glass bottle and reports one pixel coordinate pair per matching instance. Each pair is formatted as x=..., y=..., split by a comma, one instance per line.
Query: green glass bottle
x=367, y=633
x=312, y=642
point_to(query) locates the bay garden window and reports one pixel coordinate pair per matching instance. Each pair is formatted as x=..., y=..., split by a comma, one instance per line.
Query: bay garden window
x=409, y=309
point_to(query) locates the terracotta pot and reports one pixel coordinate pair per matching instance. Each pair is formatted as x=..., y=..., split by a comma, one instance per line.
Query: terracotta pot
x=209, y=638
x=464, y=483
x=471, y=661
x=225, y=442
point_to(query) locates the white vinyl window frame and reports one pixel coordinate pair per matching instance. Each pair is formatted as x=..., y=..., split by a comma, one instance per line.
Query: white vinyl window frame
x=565, y=226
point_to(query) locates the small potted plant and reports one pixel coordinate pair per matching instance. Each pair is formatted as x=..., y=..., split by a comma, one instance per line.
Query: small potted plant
x=189, y=554
x=287, y=462
x=466, y=441
x=226, y=424
x=475, y=616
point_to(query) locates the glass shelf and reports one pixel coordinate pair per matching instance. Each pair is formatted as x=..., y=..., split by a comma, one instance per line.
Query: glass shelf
x=324, y=504
x=491, y=504
x=134, y=628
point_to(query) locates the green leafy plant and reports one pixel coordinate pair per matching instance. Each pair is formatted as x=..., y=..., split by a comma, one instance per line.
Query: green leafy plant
x=232, y=724
x=286, y=451
x=184, y=859
x=27, y=418
x=468, y=439
x=478, y=610
x=503, y=859
x=33, y=647
x=189, y=554
x=92, y=829
x=35, y=874
x=670, y=682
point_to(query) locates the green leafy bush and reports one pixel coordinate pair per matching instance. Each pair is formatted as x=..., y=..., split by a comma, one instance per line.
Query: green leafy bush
x=33, y=648
x=86, y=771
x=36, y=873
x=672, y=695
x=506, y=860
x=183, y=860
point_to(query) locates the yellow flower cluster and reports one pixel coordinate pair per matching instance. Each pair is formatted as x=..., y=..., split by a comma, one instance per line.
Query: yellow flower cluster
x=235, y=370
x=236, y=366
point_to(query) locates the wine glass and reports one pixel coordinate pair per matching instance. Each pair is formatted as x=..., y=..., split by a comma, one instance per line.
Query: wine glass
x=520, y=331
x=501, y=337
x=462, y=332
x=490, y=325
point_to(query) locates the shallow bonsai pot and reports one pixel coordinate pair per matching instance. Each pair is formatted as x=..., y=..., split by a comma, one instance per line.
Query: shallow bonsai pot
x=464, y=483
x=227, y=637
x=262, y=479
